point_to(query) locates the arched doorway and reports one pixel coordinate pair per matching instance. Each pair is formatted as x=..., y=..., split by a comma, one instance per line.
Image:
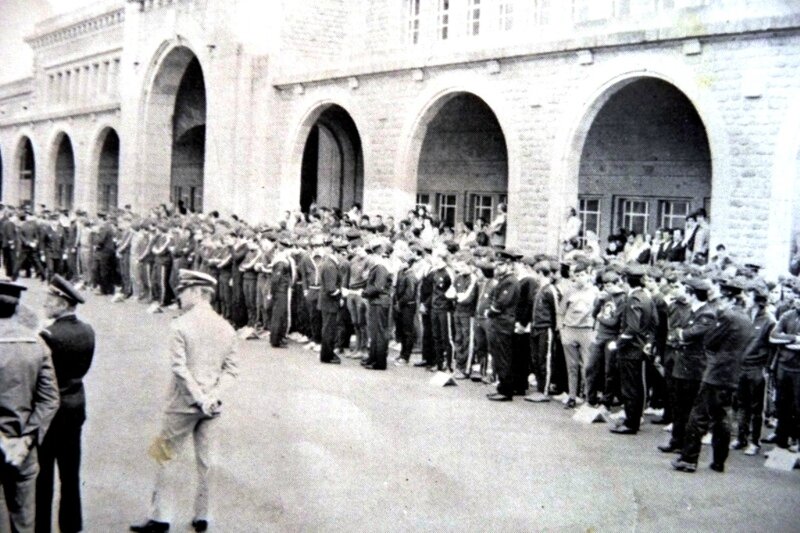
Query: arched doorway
x=175, y=132
x=26, y=167
x=108, y=172
x=463, y=162
x=332, y=172
x=645, y=164
x=64, y=172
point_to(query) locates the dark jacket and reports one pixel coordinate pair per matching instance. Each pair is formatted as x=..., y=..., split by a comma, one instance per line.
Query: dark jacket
x=758, y=351
x=71, y=344
x=639, y=323
x=527, y=292
x=330, y=291
x=405, y=294
x=725, y=345
x=787, y=329
x=544, y=308
x=378, y=286
x=691, y=361
x=467, y=287
x=503, y=303
x=441, y=283
x=679, y=314
x=608, y=315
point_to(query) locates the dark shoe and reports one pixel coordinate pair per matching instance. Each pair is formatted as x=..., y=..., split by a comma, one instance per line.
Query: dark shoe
x=333, y=361
x=623, y=430
x=200, y=525
x=152, y=526
x=682, y=466
x=668, y=448
x=571, y=403
x=420, y=364
x=497, y=397
x=717, y=467
x=365, y=362
x=373, y=366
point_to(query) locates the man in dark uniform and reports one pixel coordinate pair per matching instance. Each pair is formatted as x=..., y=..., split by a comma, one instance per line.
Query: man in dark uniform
x=53, y=244
x=503, y=305
x=281, y=281
x=329, y=302
x=633, y=345
x=104, y=253
x=71, y=343
x=376, y=293
x=10, y=244
x=725, y=344
x=28, y=402
x=687, y=371
x=29, y=247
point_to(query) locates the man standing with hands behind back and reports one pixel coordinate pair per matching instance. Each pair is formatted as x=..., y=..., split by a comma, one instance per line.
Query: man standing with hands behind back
x=71, y=344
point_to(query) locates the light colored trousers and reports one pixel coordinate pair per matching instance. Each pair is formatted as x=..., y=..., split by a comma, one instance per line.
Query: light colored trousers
x=177, y=428
x=576, y=342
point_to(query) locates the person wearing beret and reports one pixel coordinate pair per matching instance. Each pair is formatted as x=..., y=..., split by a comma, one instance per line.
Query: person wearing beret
x=725, y=344
x=502, y=307
x=633, y=345
x=202, y=349
x=28, y=402
x=72, y=343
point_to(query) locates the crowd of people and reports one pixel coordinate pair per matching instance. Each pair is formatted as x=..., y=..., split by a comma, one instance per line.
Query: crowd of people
x=653, y=325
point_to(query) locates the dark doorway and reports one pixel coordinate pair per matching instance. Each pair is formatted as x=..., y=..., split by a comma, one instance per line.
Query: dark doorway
x=65, y=174
x=108, y=173
x=189, y=140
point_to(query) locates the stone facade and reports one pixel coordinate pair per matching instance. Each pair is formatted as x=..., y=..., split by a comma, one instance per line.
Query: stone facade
x=545, y=69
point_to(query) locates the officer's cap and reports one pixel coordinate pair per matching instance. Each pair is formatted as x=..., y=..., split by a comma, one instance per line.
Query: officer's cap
x=698, y=284
x=64, y=289
x=509, y=254
x=192, y=278
x=10, y=292
x=733, y=286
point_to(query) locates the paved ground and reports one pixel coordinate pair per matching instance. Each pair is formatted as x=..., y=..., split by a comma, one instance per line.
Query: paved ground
x=310, y=447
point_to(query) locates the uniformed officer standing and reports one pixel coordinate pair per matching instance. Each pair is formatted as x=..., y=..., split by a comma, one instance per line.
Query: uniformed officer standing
x=502, y=307
x=202, y=348
x=377, y=295
x=71, y=343
x=633, y=345
x=28, y=402
x=725, y=344
x=329, y=302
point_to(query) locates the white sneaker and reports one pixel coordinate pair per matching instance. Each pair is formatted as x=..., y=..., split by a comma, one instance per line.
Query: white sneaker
x=668, y=428
x=752, y=449
x=706, y=440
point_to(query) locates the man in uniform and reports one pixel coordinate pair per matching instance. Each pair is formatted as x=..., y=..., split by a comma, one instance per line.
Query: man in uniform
x=502, y=308
x=633, y=345
x=376, y=293
x=202, y=348
x=71, y=344
x=28, y=402
x=10, y=244
x=725, y=344
x=329, y=301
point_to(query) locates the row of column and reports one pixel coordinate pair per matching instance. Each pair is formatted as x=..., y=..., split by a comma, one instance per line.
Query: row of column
x=83, y=84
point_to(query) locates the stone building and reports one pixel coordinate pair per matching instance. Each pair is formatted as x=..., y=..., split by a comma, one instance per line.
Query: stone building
x=635, y=112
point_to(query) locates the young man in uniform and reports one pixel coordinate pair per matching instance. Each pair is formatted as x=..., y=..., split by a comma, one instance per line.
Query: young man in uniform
x=503, y=304
x=329, y=302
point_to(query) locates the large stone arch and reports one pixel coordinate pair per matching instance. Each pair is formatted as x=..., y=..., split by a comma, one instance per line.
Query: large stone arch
x=425, y=109
x=587, y=103
x=311, y=111
x=15, y=184
x=162, y=81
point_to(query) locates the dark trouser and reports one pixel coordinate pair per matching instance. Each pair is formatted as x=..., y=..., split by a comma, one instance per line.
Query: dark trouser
x=440, y=329
x=788, y=404
x=378, y=325
x=238, y=305
x=225, y=294
x=344, y=328
x=328, y=335
x=481, y=344
x=596, y=370
x=262, y=291
x=278, y=322
x=124, y=264
x=406, y=330
x=29, y=257
x=428, y=350
x=105, y=272
x=314, y=325
x=250, y=288
x=71, y=270
x=669, y=384
x=521, y=361
x=612, y=376
x=61, y=445
x=750, y=397
x=657, y=387
x=632, y=382
x=710, y=410
x=299, y=321
x=463, y=340
x=145, y=268
x=19, y=491
x=501, y=339
x=53, y=263
x=358, y=316
x=684, y=394
x=542, y=358
x=10, y=262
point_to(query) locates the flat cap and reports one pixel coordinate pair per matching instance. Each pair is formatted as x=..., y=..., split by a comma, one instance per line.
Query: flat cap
x=193, y=278
x=63, y=288
x=509, y=254
x=634, y=270
x=10, y=291
x=698, y=284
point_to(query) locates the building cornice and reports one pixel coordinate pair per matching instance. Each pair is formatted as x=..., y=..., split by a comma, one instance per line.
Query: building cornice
x=51, y=33
x=32, y=119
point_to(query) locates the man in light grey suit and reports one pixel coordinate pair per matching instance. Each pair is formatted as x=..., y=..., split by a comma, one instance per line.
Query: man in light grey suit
x=202, y=348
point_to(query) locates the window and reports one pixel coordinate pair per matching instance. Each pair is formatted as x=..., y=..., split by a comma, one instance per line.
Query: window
x=672, y=213
x=443, y=20
x=473, y=17
x=424, y=200
x=482, y=206
x=412, y=21
x=634, y=215
x=589, y=213
x=447, y=208
x=506, y=15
